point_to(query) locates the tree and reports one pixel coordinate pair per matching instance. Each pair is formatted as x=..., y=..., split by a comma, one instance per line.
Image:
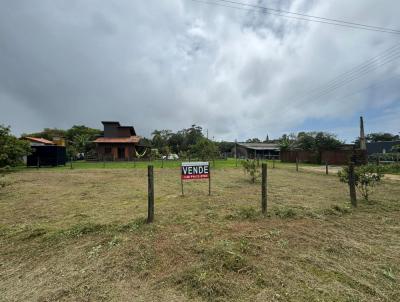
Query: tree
x=82, y=131
x=192, y=136
x=204, y=149
x=12, y=150
x=225, y=147
x=253, y=140
x=286, y=142
x=316, y=141
x=81, y=142
x=381, y=137
x=326, y=141
x=47, y=133
x=366, y=178
x=176, y=142
x=160, y=138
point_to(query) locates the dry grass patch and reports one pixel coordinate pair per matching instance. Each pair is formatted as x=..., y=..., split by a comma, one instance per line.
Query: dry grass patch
x=81, y=235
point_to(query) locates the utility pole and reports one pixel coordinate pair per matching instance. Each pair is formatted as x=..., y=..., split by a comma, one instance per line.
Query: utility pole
x=363, y=145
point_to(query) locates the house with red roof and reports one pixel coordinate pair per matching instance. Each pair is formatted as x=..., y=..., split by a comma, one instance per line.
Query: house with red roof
x=38, y=141
x=45, y=152
x=118, y=143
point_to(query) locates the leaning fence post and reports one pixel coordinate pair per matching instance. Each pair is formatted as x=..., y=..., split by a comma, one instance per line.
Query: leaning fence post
x=352, y=185
x=264, y=188
x=150, y=194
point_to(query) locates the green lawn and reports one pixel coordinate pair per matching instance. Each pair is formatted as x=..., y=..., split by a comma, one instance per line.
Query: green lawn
x=218, y=164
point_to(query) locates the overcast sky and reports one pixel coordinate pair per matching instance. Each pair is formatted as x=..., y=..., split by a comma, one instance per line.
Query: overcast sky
x=168, y=64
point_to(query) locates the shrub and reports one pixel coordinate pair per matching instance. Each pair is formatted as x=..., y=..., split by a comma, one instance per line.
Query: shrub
x=366, y=178
x=12, y=150
x=252, y=168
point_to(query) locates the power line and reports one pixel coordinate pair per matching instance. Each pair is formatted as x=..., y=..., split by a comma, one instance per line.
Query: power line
x=358, y=68
x=309, y=16
x=304, y=17
x=323, y=91
x=343, y=81
x=367, y=87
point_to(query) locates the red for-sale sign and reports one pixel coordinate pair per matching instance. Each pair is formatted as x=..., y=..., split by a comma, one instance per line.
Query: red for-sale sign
x=195, y=170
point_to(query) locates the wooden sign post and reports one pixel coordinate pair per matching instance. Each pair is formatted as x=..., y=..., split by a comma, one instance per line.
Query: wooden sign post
x=196, y=170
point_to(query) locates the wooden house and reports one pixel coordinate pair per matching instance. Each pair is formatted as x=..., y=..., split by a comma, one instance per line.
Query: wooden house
x=118, y=143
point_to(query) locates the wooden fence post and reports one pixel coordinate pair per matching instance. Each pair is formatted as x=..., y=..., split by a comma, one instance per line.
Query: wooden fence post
x=150, y=194
x=209, y=179
x=326, y=168
x=236, y=160
x=264, y=188
x=352, y=185
x=297, y=164
x=273, y=163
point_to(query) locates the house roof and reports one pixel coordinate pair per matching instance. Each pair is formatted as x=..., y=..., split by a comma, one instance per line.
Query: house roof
x=118, y=140
x=131, y=129
x=39, y=140
x=259, y=146
x=111, y=122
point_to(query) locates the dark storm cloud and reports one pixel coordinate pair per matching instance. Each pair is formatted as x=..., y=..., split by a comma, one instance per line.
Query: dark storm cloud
x=168, y=64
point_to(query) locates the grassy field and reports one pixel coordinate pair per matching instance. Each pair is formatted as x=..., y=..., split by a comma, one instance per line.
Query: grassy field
x=79, y=235
x=217, y=164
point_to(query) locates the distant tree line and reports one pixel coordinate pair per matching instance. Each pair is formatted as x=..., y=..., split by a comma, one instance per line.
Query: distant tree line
x=379, y=137
x=188, y=142
x=309, y=141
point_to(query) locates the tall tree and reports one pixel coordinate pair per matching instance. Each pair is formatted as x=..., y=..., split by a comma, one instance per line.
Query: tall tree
x=204, y=149
x=160, y=138
x=12, y=150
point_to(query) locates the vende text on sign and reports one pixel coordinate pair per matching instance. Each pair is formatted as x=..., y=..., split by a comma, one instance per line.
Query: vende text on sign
x=195, y=170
